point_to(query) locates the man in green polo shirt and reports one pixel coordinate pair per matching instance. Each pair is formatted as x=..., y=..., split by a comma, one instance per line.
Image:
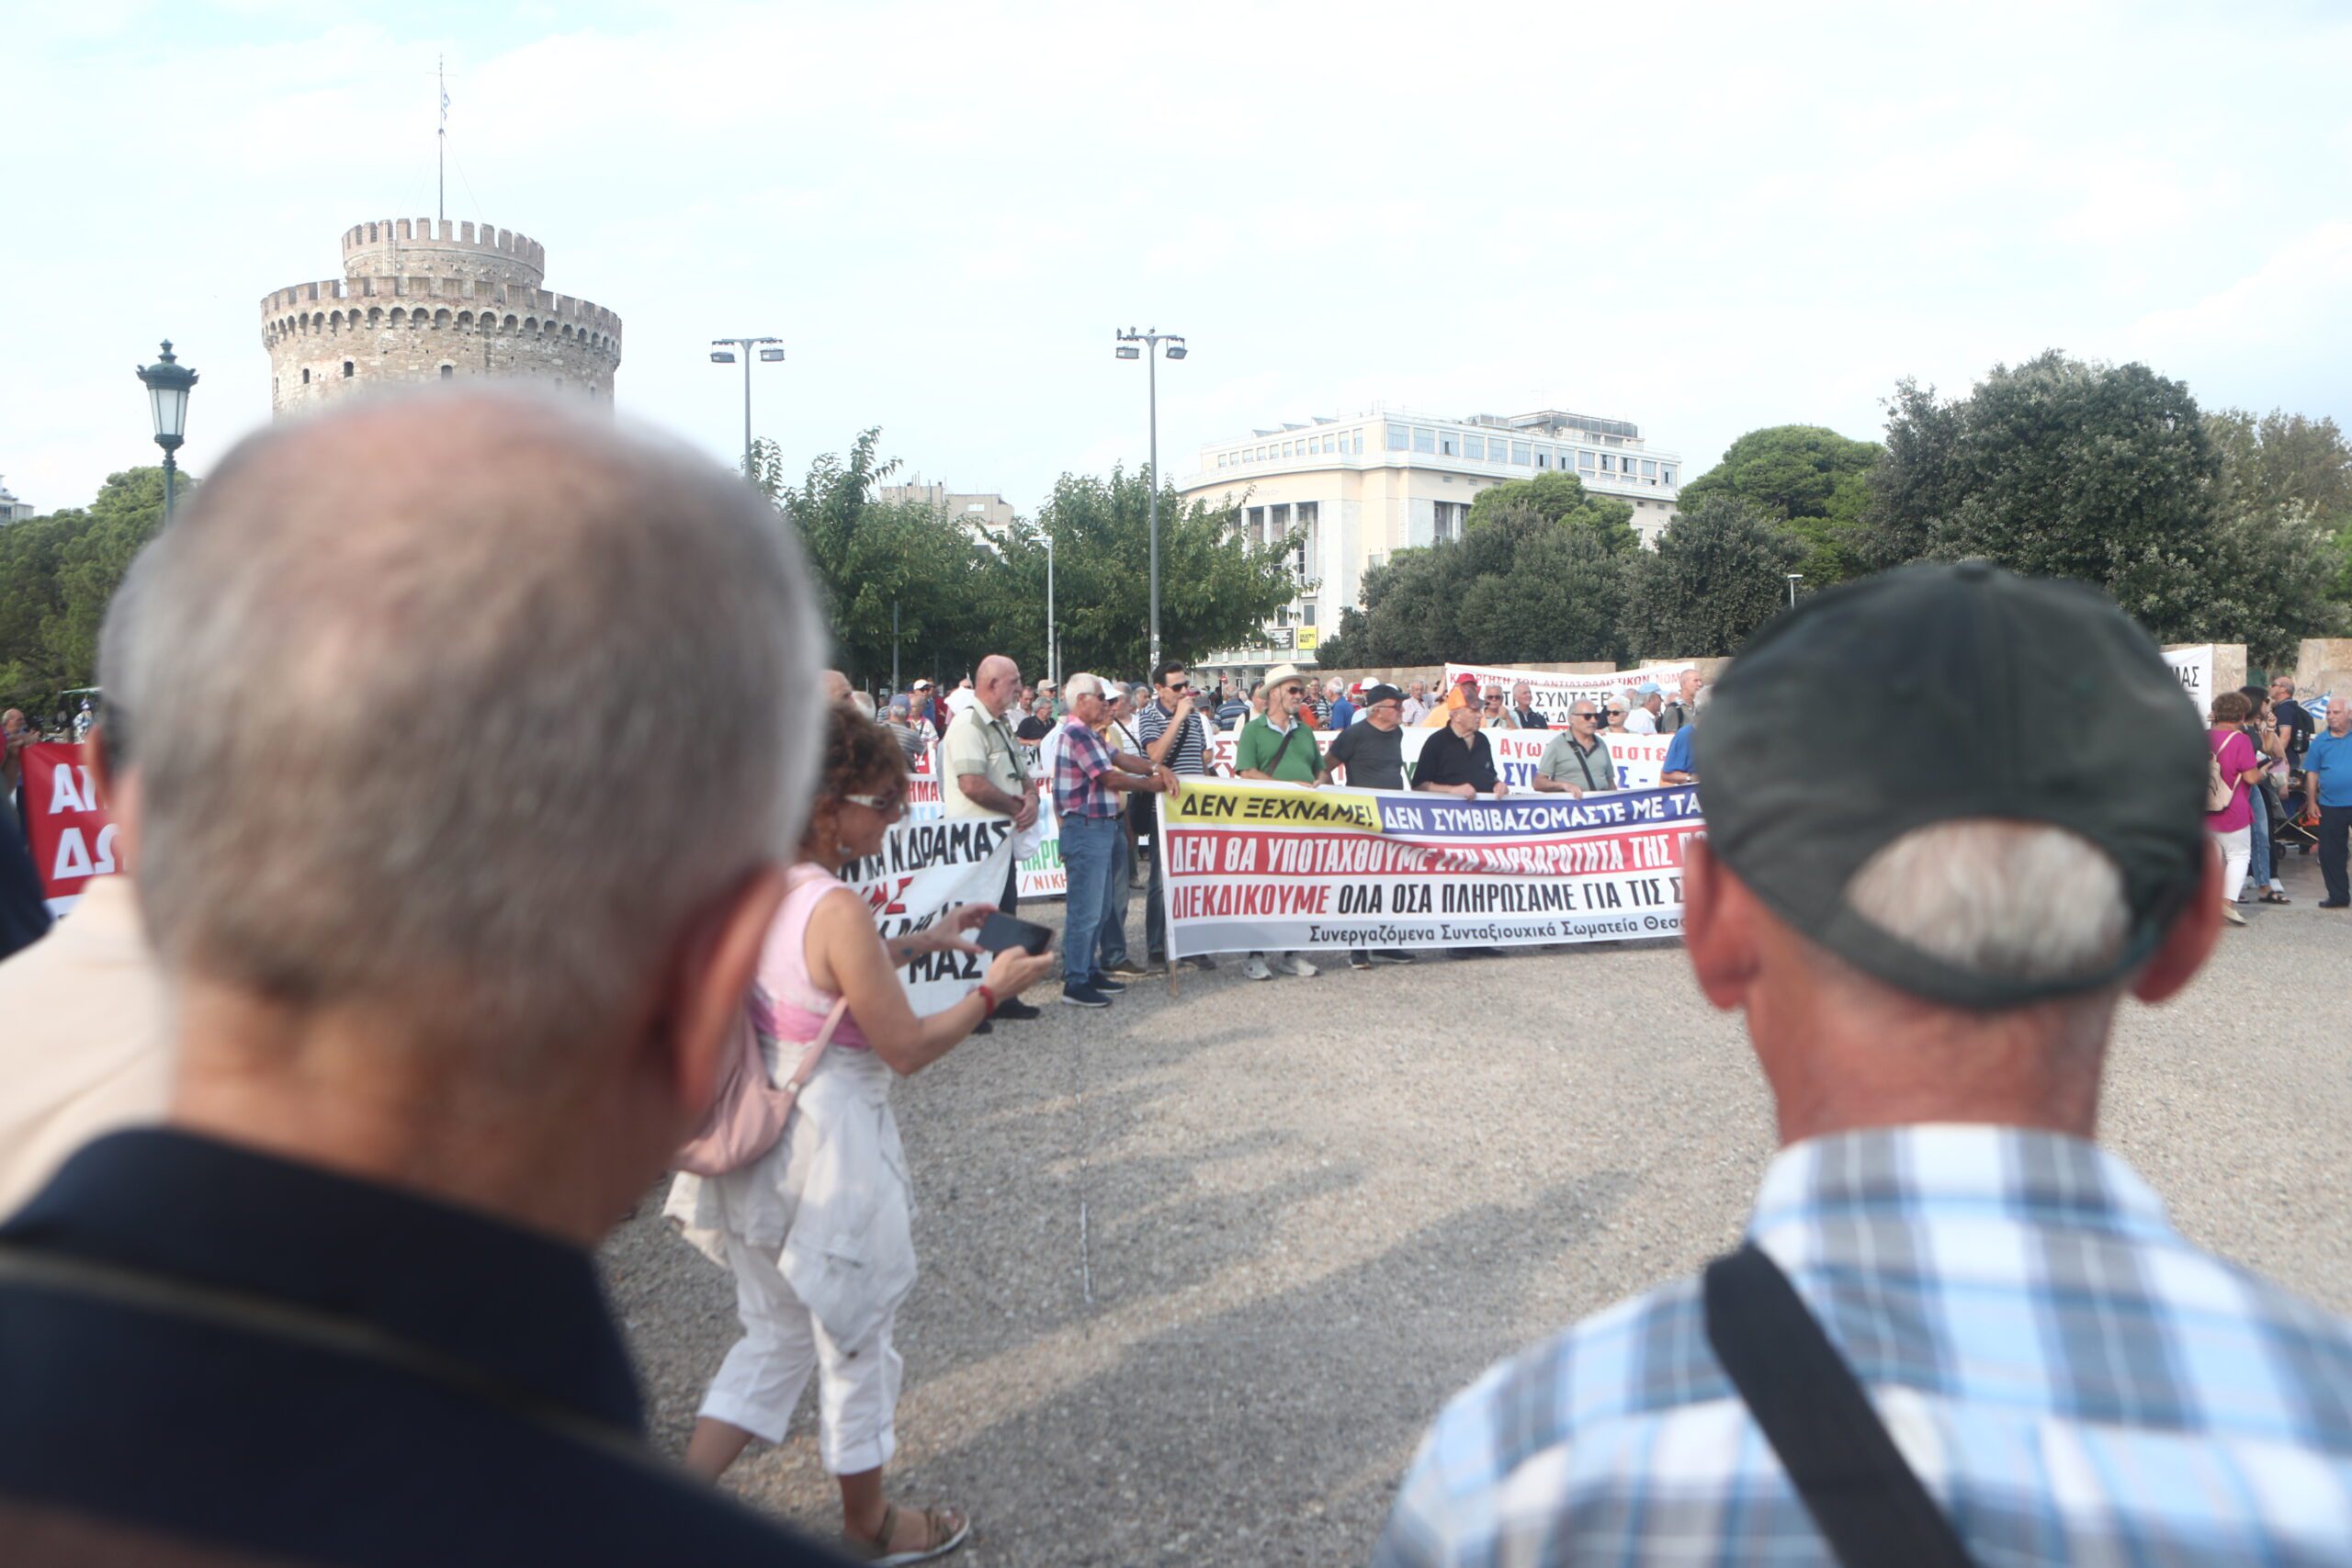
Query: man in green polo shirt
x=1278, y=746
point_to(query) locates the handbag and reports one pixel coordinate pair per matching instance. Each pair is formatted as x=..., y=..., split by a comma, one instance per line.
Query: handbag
x=1868, y=1503
x=2217, y=790
x=747, y=1115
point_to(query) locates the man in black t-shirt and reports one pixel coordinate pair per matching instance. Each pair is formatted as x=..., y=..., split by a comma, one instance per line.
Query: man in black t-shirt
x=1457, y=759
x=2292, y=716
x=1374, y=754
x=1039, y=723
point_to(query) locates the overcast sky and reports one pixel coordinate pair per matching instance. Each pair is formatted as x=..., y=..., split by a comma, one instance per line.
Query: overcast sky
x=1701, y=218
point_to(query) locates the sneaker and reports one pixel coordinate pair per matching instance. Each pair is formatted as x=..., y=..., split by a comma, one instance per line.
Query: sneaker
x=2334, y=904
x=1359, y=959
x=1107, y=986
x=1393, y=955
x=1016, y=1010
x=1083, y=996
x=1296, y=964
x=1256, y=968
x=1129, y=969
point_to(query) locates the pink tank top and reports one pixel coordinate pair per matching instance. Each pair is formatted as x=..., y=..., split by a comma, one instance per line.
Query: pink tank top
x=796, y=1008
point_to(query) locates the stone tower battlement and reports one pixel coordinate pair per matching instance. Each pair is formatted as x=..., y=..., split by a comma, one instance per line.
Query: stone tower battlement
x=396, y=247
x=420, y=303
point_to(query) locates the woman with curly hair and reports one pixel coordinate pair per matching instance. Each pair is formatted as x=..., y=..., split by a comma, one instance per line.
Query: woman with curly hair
x=818, y=1231
x=2240, y=769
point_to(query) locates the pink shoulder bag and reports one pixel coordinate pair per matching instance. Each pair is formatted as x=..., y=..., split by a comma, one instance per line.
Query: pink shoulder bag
x=748, y=1112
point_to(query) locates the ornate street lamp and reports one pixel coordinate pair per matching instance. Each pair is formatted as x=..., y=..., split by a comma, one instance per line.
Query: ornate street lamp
x=167, y=381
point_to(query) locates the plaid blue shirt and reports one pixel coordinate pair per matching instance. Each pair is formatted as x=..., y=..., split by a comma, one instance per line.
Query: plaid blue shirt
x=2071, y=1380
x=1081, y=758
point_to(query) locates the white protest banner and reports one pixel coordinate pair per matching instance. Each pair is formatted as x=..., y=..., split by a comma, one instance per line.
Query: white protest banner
x=1279, y=867
x=1041, y=874
x=1640, y=759
x=2193, y=668
x=923, y=871
x=1554, y=693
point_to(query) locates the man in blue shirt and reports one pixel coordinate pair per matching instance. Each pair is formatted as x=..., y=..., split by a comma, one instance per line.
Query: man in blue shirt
x=1681, y=765
x=1930, y=955
x=2327, y=768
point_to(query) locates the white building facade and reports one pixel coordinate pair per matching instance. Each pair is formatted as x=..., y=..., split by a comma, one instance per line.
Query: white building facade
x=1348, y=493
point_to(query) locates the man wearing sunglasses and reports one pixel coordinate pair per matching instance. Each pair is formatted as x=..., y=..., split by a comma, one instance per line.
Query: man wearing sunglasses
x=1177, y=737
x=1577, y=759
x=1493, y=714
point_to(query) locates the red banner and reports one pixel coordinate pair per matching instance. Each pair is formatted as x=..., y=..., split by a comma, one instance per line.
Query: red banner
x=72, y=835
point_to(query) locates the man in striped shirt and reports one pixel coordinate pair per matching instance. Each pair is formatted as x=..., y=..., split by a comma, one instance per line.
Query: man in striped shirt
x=1929, y=945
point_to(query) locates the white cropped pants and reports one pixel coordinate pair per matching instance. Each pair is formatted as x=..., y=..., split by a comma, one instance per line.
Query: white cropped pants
x=763, y=1375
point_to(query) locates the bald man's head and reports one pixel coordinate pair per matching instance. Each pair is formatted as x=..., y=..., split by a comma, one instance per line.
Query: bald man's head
x=997, y=683
x=836, y=685
x=451, y=627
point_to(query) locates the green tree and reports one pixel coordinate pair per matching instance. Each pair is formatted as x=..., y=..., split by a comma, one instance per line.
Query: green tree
x=871, y=557
x=2057, y=467
x=1538, y=576
x=1719, y=573
x=1215, y=591
x=1812, y=479
x=2282, y=464
x=57, y=574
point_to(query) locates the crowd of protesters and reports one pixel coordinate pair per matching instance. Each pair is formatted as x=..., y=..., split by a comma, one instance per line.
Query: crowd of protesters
x=383, y=1063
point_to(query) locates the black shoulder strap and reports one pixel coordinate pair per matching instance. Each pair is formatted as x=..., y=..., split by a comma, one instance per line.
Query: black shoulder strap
x=1869, y=1506
x=1283, y=750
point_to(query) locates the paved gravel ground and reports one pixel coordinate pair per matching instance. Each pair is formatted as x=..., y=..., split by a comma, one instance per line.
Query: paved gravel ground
x=1195, y=1274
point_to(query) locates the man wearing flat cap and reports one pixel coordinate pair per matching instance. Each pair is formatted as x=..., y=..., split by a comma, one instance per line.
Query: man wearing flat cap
x=1959, y=1329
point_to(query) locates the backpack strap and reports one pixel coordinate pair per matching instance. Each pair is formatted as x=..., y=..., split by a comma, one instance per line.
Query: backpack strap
x=1868, y=1503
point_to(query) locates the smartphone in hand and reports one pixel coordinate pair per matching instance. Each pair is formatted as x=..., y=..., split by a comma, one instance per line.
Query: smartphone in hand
x=1001, y=930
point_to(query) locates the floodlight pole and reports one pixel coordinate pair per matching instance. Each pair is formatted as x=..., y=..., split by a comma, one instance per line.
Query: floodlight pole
x=749, y=347
x=1151, y=341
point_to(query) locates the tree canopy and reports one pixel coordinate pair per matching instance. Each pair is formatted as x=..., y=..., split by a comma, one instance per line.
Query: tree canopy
x=1810, y=478
x=57, y=573
x=1538, y=574
x=1719, y=573
x=960, y=596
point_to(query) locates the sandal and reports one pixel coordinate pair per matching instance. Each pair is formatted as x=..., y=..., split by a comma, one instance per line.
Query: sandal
x=943, y=1532
x=2272, y=895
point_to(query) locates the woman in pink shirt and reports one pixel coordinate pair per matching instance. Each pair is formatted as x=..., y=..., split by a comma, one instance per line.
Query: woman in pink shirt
x=2233, y=825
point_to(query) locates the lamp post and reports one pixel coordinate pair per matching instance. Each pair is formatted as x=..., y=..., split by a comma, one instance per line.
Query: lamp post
x=1146, y=345
x=1794, y=578
x=722, y=352
x=167, y=381
x=1053, y=650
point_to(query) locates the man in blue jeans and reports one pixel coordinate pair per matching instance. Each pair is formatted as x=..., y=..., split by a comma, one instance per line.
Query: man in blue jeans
x=1088, y=778
x=2327, y=766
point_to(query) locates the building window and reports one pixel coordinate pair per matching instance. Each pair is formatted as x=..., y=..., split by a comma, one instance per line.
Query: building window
x=1452, y=517
x=448, y=372
x=1278, y=521
x=1667, y=473
x=347, y=370
x=1447, y=443
x=1522, y=452
x=306, y=376
x=1649, y=469
x=1399, y=438
x=1544, y=460
x=1474, y=446
x=1424, y=440
x=1609, y=462
x=1258, y=527
x=1360, y=442
x=1584, y=461
x=1305, y=618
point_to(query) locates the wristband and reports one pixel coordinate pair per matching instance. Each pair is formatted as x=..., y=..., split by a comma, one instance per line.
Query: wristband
x=988, y=998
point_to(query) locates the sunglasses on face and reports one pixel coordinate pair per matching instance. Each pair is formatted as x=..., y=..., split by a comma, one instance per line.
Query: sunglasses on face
x=1179, y=685
x=1584, y=715
x=887, y=804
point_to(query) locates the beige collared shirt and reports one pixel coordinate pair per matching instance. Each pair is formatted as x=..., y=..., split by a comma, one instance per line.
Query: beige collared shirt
x=83, y=1044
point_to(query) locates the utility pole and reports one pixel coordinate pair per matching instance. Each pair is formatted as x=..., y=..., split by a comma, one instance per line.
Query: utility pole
x=894, y=647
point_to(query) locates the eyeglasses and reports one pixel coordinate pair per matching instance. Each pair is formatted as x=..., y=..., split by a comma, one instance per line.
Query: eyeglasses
x=887, y=804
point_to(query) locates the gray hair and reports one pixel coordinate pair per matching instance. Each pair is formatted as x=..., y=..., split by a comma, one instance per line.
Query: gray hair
x=864, y=705
x=1084, y=684
x=401, y=675
x=2016, y=900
